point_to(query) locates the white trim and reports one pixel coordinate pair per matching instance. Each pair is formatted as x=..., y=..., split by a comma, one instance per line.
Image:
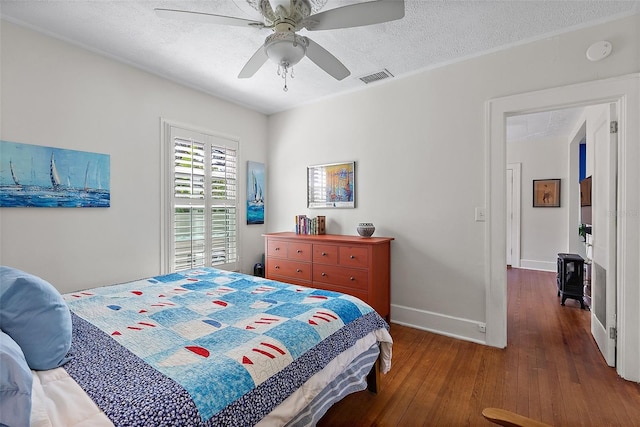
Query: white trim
x=517, y=206
x=531, y=264
x=626, y=91
x=165, y=195
x=495, y=226
x=455, y=327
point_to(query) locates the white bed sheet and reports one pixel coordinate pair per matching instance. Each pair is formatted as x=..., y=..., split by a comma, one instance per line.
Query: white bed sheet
x=58, y=401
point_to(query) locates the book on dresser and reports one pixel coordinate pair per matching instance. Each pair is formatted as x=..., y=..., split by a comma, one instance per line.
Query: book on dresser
x=358, y=266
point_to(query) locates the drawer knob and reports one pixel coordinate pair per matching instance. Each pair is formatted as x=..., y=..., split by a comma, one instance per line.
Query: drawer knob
x=277, y=267
x=352, y=257
x=277, y=249
x=299, y=251
x=298, y=271
x=324, y=274
x=352, y=278
x=324, y=254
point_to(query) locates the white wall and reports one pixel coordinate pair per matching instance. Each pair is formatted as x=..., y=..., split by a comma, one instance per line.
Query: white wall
x=419, y=144
x=543, y=230
x=59, y=95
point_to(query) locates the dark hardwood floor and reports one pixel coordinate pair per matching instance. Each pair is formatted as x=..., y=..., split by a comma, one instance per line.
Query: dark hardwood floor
x=551, y=371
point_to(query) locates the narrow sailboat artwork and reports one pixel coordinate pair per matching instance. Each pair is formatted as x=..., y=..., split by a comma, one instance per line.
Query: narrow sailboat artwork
x=37, y=176
x=255, y=193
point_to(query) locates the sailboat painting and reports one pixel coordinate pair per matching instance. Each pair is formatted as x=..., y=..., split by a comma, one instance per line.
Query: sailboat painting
x=38, y=176
x=255, y=193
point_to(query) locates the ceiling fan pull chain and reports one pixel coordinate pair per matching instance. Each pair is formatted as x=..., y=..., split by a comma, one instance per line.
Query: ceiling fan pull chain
x=284, y=76
x=285, y=88
x=285, y=70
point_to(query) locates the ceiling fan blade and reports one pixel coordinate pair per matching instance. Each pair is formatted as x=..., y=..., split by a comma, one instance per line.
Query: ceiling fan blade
x=207, y=18
x=254, y=63
x=356, y=15
x=323, y=59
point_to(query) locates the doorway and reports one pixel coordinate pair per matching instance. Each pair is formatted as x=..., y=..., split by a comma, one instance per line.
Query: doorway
x=625, y=91
x=547, y=145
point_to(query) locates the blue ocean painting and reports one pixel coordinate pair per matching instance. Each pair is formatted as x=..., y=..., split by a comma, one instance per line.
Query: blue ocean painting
x=38, y=176
x=255, y=193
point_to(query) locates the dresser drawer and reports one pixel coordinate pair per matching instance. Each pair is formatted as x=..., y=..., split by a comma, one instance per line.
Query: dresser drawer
x=286, y=268
x=353, y=256
x=325, y=254
x=277, y=248
x=358, y=293
x=340, y=276
x=299, y=251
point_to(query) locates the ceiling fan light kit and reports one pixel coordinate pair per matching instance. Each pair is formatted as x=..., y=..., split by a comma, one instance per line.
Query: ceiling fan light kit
x=286, y=50
x=286, y=17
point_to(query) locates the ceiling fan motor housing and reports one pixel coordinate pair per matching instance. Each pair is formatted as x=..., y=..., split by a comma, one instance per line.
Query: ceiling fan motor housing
x=286, y=48
x=275, y=11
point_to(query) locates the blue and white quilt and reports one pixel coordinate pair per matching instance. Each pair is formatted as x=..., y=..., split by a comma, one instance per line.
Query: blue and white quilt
x=206, y=347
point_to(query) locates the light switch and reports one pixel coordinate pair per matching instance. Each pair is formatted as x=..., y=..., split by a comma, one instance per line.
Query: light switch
x=480, y=215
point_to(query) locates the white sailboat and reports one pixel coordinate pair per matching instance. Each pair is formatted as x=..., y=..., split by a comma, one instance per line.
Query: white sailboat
x=53, y=174
x=86, y=177
x=13, y=174
x=257, y=199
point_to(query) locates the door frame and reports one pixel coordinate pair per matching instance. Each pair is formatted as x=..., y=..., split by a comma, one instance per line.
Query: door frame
x=625, y=91
x=517, y=204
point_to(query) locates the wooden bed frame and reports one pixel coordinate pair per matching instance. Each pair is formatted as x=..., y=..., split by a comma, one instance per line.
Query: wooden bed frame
x=373, y=378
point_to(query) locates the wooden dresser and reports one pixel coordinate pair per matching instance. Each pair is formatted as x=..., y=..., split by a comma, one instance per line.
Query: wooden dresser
x=358, y=266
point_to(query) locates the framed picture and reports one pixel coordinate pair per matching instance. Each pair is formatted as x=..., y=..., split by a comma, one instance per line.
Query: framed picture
x=255, y=193
x=331, y=185
x=546, y=193
x=50, y=177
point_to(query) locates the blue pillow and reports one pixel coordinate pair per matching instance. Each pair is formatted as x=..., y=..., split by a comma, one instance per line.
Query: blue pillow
x=34, y=314
x=16, y=380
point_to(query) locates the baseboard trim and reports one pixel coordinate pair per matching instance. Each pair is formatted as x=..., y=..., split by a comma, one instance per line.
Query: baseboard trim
x=438, y=323
x=529, y=264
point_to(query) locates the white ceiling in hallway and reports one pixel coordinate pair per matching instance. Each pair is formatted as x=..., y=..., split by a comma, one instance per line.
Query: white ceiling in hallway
x=542, y=125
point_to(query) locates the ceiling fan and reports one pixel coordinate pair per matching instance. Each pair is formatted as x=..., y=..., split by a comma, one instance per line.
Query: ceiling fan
x=286, y=17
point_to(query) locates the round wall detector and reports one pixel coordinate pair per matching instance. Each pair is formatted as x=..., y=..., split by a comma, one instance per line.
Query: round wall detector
x=599, y=50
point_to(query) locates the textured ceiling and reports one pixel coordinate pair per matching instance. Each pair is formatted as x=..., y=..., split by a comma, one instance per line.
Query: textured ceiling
x=209, y=57
x=537, y=126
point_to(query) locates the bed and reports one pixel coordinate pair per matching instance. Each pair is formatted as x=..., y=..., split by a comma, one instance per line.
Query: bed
x=208, y=347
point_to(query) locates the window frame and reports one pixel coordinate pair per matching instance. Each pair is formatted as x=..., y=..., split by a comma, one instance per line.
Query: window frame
x=169, y=130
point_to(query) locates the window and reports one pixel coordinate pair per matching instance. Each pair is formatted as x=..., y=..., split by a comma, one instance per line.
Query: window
x=200, y=202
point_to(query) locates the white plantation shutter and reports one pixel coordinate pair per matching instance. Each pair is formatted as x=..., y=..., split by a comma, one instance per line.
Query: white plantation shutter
x=189, y=168
x=189, y=232
x=224, y=212
x=203, y=211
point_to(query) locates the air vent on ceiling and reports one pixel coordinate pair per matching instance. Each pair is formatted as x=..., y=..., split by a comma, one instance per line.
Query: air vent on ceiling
x=380, y=75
